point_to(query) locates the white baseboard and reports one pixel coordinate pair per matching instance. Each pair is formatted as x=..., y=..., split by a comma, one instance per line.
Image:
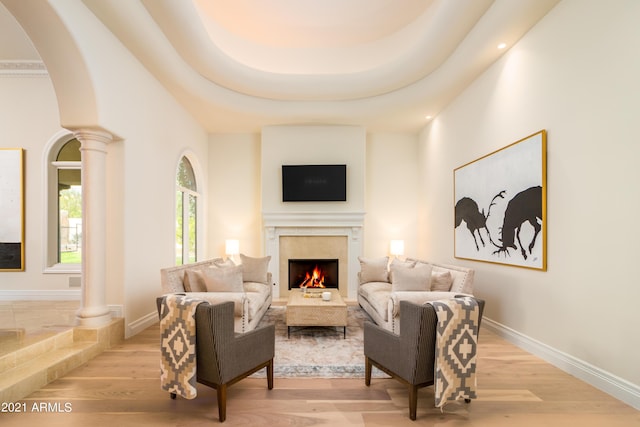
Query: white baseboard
x=141, y=324
x=611, y=384
x=41, y=295
x=115, y=310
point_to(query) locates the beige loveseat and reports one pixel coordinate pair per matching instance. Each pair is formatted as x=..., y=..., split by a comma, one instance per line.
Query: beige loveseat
x=247, y=285
x=383, y=285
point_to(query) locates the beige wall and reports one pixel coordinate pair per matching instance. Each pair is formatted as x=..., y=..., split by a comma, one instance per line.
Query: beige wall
x=383, y=175
x=291, y=145
x=234, y=193
x=576, y=75
x=391, y=193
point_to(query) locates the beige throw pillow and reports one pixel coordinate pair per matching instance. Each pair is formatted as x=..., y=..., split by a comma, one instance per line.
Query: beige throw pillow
x=374, y=269
x=193, y=281
x=227, y=279
x=395, y=262
x=406, y=263
x=417, y=278
x=224, y=263
x=441, y=281
x=193, y=278
x=255, y=269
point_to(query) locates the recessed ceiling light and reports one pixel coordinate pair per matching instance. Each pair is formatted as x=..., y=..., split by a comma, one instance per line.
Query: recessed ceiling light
x=502, y=45
x=428, y=117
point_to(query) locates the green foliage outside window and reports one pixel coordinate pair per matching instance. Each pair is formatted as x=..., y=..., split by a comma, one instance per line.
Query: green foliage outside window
x=70, y=217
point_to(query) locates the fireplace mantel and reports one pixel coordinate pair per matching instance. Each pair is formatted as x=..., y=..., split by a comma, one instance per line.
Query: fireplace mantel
x=349, y=224
x=312, y=219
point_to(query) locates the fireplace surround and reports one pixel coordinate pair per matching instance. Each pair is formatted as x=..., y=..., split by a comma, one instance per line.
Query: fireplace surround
x=343, y=229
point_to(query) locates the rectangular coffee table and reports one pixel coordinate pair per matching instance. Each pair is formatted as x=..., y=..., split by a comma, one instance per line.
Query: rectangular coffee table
x=312, y=310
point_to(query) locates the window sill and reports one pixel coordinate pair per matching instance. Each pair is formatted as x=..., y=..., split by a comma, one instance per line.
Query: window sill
x=63, y=269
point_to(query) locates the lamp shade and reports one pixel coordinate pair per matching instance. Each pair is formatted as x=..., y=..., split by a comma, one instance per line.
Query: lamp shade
x=397, y=247
x=232, y=247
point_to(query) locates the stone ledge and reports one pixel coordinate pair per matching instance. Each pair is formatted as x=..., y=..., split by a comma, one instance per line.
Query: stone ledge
x=41, y=363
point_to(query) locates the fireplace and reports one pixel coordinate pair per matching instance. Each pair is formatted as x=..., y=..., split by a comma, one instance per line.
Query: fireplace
x=314, y=235
x=313, y=273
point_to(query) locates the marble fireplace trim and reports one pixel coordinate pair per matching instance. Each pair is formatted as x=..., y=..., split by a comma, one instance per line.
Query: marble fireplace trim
x=349, y=224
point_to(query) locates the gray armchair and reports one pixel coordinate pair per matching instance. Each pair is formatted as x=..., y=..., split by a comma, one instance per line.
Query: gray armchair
x=223, y=357
x=410, y=356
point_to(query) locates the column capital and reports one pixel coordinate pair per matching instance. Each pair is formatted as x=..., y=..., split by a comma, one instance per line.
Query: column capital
x=93, y=139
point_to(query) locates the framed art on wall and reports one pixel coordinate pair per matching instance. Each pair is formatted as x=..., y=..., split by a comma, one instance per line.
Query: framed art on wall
x=11, y=209
x=500, y=205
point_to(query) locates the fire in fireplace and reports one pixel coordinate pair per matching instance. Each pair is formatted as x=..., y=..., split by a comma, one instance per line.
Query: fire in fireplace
x=313, y=273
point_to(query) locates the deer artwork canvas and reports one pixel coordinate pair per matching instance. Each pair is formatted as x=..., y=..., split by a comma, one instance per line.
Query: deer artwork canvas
x=500, y=205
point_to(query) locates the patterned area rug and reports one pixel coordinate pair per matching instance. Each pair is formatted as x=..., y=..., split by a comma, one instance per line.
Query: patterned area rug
x=319, y=352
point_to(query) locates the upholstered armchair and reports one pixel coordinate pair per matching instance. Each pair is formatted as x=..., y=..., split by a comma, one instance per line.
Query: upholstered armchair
x=224, y=357
x=410, y=356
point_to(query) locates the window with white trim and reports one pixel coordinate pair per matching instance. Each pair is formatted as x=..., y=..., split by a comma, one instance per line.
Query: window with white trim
x=64, y=206
x=186, y=213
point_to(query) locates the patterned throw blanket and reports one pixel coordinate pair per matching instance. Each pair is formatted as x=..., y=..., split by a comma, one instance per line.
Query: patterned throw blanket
x=178, y=345
x=456, y=348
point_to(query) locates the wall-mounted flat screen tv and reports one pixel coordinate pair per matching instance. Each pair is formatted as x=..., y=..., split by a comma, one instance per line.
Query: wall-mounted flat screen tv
x=314, y=183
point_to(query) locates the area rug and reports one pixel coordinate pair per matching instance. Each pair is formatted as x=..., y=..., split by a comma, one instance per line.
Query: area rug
x=318, y=352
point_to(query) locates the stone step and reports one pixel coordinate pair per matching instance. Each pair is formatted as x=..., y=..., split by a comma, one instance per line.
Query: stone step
x=21, y=349
x=39, y=371
x=32, y=367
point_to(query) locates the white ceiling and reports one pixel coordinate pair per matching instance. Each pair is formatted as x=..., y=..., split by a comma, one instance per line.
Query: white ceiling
x=238, y=65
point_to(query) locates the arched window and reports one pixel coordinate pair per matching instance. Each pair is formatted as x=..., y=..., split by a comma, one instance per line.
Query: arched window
x=186, y=213
x=64, y=206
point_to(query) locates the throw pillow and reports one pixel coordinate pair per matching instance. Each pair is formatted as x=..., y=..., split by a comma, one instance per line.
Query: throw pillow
x=406, y=263
x=255, y=269
x=224, y=263
x=417, y=278
x=193, y=281
x=227, y=279
x=441, y=281
x=395, y=262
x=374, y=269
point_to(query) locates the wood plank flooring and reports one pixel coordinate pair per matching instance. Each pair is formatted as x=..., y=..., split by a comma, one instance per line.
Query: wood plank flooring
x=121, y=388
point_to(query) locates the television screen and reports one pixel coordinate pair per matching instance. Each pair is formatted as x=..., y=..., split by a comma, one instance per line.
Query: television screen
x=314, y=183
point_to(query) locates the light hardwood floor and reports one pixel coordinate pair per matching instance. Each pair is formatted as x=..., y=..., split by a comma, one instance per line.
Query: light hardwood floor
x=121, y=388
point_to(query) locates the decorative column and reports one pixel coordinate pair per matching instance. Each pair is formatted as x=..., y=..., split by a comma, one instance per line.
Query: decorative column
x=93, y=309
